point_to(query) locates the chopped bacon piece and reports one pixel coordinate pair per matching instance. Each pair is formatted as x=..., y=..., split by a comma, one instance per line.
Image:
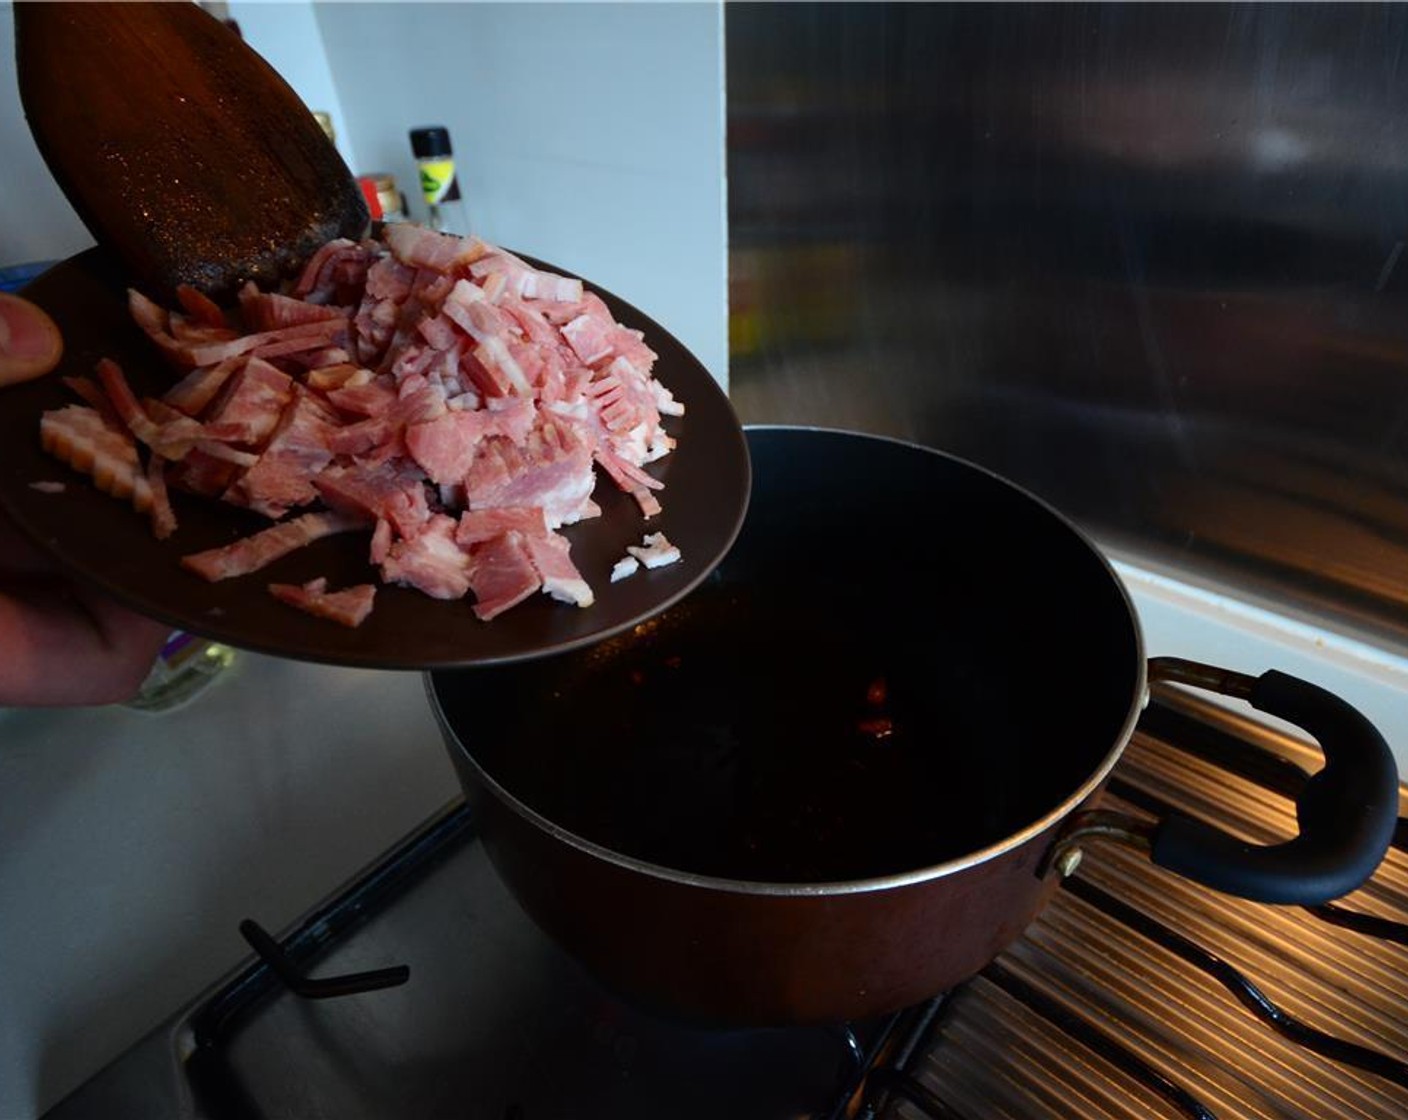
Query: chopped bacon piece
x=549, y=553
x=648, y=502
x=381, y=541
x=502, y=575
x=249, y=554
x=430, y=561
x=326, y=378
x=80, y=437
x=204, y=473
x=479, y=525
x=590, y=338
x=250, y=408
x=350, y=606
x=299, y=449
x=445, y=447
x=522, y=279
x=269, y=311
x=624, y=568
x=438, y=388
x=334, y=272
x=369, y=399
x=425, y=248
x=654, y=551
x=552, y=469
x=377, y=492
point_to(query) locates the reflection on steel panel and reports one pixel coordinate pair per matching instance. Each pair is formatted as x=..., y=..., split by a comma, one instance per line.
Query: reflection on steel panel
x=1146, y=260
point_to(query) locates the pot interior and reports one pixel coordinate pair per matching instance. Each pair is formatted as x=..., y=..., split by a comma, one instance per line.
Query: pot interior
x=903, y=660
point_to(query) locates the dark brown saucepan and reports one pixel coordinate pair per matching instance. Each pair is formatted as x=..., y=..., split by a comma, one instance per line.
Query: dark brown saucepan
x=847, y=771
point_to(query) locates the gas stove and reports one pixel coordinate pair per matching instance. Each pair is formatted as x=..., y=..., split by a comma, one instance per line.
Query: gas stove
x=420, y=989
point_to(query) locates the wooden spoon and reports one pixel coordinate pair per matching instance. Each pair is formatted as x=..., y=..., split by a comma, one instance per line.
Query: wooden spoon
x=184, y=152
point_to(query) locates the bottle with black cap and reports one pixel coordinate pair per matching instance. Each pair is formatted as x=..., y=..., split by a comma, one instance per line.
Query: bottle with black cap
x=438, y=183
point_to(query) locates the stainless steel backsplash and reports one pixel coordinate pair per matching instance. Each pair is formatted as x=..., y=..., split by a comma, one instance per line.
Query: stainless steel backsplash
x=1145, y=260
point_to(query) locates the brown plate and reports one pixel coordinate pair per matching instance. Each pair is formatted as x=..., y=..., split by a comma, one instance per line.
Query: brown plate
x=102, y=540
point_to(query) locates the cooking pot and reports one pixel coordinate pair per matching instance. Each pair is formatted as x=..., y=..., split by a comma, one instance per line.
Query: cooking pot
x=846, y=771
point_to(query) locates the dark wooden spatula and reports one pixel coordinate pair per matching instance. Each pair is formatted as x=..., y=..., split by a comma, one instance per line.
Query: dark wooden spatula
x=181, y=149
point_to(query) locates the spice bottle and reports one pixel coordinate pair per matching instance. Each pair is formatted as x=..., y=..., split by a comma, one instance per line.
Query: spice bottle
x=184, y=668
x=438, y=182
x=390, y=198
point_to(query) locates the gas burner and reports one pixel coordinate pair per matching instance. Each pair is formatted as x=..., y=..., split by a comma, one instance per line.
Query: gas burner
x=1134, y=995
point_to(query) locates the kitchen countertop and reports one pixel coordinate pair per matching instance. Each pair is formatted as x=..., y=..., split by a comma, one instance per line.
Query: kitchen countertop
x=132, y=844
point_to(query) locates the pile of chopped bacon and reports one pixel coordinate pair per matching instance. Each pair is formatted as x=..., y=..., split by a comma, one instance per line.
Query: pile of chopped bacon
x=436, y=390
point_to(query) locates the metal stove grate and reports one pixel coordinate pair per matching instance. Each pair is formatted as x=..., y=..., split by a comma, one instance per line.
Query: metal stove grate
x=1134, y=996
x=1139, y=995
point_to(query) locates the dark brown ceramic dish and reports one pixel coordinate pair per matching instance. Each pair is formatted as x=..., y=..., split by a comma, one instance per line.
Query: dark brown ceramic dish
x=104, y=541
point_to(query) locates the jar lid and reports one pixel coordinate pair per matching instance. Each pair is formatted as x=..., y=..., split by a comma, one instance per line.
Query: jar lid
x=430, y=142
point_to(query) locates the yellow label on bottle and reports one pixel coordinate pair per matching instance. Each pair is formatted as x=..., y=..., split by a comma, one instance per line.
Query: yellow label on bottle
x=436, y=178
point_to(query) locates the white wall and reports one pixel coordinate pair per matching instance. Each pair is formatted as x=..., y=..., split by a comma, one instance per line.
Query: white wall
x=37, y=222
x=590, y=135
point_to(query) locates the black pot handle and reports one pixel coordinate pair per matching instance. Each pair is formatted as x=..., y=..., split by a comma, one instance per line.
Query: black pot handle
x=1347, y=811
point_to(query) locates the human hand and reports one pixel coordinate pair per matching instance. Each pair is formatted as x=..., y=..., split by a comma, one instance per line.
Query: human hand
x=62, y=643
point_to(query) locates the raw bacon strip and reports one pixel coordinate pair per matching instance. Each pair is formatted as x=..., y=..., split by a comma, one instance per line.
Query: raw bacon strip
x=649, y=504
x=200, y=307
x=172, y=440
x=189, y=333
x=162, y=515
x=163, y=413
x=80, y=437
x=194, y=392
x=315, y=334
x=350, y=606
x=91, y=394
x=262, y=549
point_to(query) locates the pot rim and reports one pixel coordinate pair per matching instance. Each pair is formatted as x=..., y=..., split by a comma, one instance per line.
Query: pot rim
x=1138, y=699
